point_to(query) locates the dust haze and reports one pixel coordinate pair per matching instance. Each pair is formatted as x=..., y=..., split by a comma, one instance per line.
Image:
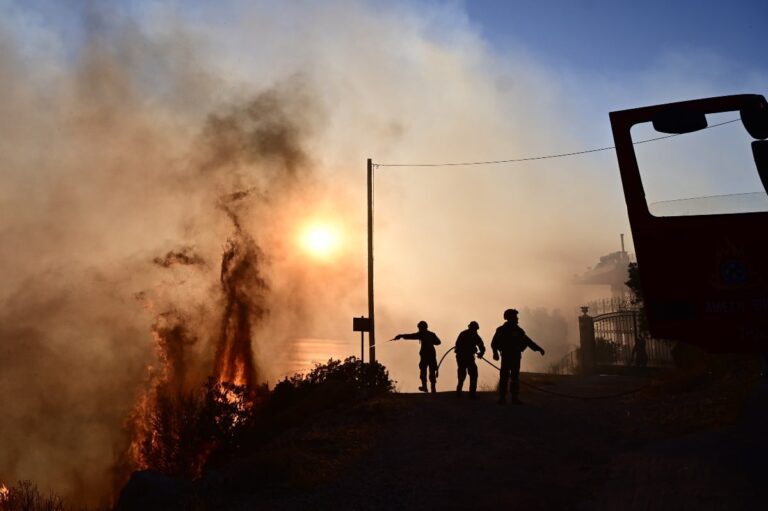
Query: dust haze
x=133, y=158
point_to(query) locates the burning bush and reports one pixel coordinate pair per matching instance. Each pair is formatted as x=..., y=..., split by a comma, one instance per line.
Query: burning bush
x=25, y=496
x=255, y=441
x=174, y=430
x=184, y=431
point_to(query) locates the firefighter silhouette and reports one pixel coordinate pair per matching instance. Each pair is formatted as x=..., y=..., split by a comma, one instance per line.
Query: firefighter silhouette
x=468, y=344
x=511, y=341
x=427, y=354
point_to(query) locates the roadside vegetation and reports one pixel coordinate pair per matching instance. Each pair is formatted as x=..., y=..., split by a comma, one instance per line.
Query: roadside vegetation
x=211, y=447
x=302, y=432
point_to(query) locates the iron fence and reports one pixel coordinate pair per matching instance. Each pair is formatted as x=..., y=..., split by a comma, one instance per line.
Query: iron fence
x=618, y=341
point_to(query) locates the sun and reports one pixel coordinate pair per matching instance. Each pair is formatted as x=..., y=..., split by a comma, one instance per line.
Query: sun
x=320, y=240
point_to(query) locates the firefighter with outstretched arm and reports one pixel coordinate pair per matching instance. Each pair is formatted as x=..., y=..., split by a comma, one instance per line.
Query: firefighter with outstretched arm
x=427, y=354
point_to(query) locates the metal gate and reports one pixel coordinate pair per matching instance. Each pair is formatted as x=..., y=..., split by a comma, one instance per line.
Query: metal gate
x=618, y=342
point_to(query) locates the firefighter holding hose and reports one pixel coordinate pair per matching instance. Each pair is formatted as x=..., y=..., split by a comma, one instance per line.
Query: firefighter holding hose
x=427, y=354
x=468, y=344
x=511, y=341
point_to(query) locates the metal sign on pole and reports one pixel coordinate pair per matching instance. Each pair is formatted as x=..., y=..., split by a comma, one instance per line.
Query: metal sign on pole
x=362, y=325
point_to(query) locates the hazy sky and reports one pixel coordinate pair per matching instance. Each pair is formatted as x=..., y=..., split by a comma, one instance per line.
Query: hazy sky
x=448, y=81
x=112, y=116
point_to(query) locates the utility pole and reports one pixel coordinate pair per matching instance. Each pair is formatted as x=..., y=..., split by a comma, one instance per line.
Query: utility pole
x=372, y=332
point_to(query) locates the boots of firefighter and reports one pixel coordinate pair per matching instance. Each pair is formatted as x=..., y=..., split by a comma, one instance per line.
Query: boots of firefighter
x=432, y=387
x=423, y=387
x=472, y=382
x=503, y=383
x=514, y=391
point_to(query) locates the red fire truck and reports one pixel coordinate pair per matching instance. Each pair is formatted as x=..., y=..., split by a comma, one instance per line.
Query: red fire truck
x=704, y=277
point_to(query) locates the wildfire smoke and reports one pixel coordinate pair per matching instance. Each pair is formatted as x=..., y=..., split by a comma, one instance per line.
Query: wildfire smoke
x=136, y=156
x=244, y=291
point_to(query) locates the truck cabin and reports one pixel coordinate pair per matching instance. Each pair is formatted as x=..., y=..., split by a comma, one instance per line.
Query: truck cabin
x=703, y=261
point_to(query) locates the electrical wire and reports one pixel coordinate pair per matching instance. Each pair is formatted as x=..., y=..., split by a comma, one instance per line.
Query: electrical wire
x=533, y=158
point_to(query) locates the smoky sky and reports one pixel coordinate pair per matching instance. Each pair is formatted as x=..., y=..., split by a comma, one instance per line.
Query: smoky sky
x=121, y=140
x=118, y=207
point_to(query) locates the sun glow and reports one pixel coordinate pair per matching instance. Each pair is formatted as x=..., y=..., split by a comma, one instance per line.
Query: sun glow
x=320, y=240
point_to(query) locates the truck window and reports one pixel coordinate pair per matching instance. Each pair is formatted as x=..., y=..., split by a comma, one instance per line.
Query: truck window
x=707, y=172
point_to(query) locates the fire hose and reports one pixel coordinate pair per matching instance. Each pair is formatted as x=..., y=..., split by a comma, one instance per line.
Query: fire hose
x=552, y=392
x=545, y=391
x=374, y=345
x=570, y=396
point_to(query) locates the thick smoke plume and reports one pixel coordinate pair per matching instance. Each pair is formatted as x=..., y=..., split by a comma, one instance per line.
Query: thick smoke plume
x=175, y=158
x=175, y=425
x=104, y=187
x=244, y=305
x=184, y=256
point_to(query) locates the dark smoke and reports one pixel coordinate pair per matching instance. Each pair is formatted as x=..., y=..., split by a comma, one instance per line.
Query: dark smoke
x=115, y=150
x=118, y=179
x=186, y=256
x=268, y=131
x=173, y=338
x=245, y=298
x=69, y=367
x=168, y=426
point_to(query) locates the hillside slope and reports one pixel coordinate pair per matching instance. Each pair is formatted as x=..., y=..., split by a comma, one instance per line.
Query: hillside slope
x=661, y=448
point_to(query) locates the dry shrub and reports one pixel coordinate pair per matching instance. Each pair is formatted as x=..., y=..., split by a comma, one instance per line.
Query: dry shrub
x=343, y=379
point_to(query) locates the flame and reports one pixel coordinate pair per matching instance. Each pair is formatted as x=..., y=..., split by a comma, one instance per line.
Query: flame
x=243, y=286
x=166, y=384
x=236, y=376
x=157, y=422
x=5, y=493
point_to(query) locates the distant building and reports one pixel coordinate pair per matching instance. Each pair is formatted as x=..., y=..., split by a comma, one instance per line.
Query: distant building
x=610, y=271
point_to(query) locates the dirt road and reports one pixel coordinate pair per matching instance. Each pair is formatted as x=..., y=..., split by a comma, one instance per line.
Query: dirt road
x=649, y=450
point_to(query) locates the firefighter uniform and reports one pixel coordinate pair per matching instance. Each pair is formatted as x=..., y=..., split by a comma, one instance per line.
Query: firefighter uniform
x=511, y=341
x=468, y=344
x=427, y=354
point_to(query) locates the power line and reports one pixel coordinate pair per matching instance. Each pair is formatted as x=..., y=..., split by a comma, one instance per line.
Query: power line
x=532, y=158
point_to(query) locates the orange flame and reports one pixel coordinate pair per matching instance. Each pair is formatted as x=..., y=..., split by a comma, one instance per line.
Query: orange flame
x=5, y=493
x=156, y=422
x=243, y=287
